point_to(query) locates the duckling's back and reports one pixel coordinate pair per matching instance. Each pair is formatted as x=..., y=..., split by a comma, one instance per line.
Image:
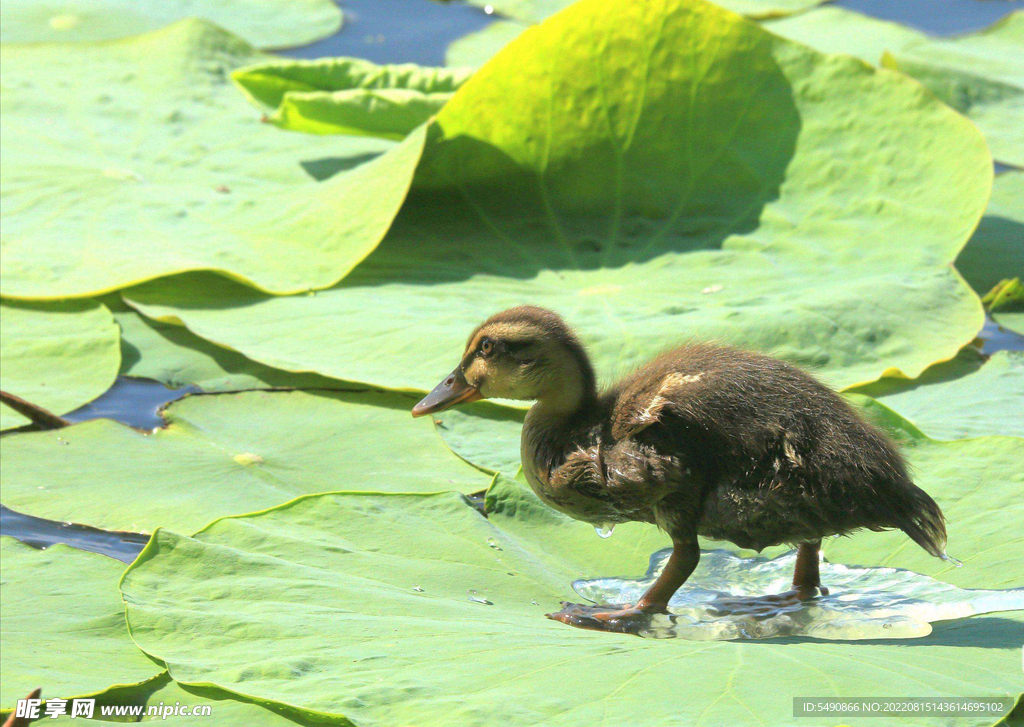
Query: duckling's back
x=783, y=458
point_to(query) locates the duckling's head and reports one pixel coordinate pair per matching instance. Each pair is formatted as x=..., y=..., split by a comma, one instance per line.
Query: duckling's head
x=526, y=353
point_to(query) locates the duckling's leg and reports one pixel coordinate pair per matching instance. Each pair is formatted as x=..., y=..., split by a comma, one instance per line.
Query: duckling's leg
x=631, y=619
x=806, y=580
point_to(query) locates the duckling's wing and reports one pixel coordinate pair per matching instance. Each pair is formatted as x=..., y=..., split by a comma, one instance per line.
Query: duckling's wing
x=645, y=403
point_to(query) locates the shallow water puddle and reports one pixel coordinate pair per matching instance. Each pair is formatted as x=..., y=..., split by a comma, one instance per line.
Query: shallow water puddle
x=729, y=597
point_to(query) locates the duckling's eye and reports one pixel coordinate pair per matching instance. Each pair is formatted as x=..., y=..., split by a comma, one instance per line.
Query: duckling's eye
x=486, y=346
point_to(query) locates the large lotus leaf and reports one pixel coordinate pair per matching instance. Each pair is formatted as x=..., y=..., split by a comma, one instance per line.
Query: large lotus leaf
x=349, y=95
x=964, y=397
x=264, y=23
x=486, y=434
x=163, y=694
x=414, y=609
x=837, y=30
x=136, y=158
x=976, y=482
x=981, y=75
x=744, y=188
x=996, y=251
x=63, y=624
x=534, y=11
x=174, y=356
x=56, y=355
x=227, y=454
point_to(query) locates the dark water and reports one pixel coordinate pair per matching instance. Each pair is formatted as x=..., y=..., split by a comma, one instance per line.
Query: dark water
x=41, y=533
x=938, y=17
x=135, y=402
x=398, y=31
x=419, y=31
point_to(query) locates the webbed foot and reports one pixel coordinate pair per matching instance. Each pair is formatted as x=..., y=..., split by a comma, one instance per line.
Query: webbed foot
x=627, y=620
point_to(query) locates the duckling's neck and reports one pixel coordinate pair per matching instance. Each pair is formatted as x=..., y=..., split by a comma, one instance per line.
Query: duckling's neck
x=561, y=415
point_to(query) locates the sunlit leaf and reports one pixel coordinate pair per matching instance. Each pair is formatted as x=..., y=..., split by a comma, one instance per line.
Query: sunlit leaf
x=174, y=356
x=534, y=11
x=424, y=597
x=228, y=454
x=980, y=75
x=349, y=95
x=837, y=30
x=63, y=624
x=132, y=159
x=58, y=356
x=818, y=222
x=478, y=47
x=264, y=23
x=965, y=397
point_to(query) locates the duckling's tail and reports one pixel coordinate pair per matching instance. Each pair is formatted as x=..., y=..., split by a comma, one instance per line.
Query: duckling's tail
x=921, y=518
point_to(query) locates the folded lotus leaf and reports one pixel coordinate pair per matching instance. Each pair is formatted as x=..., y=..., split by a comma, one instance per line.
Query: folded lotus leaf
x=264, y=23
x=57, y=356
x=227, y=454
x=132, y=159
x=689, y=176
x=63, y=627
x=979, y=74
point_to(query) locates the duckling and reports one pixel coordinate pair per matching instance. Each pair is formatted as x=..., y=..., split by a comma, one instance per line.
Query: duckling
x=702, y=440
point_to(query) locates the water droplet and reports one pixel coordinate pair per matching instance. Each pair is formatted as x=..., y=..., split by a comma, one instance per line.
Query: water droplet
x=493, y=544
x=951, y=560
x=476, y=597
x=417, y=589
x=605, y=530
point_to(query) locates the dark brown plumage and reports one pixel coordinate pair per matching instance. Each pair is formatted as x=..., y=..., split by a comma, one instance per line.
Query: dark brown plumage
x=703, y=440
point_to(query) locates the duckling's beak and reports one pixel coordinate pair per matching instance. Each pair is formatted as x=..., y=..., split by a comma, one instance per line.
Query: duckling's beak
x=453, y=390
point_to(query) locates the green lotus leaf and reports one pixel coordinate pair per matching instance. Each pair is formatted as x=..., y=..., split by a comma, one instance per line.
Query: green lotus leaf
x=487, y=435
x=132, y=159
x=414, y=609
x=964, y=397
x=174, y=356
x=996, y=251
x=227, y=454
x=600, y=180
x=63, y=627
x=534, y=11
x=837, y=30
x=162, y=693
x=58, y=356
x=349, y=95
x=263, y=23
x=478, y=47
x=840, y=27
x=980, y=75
